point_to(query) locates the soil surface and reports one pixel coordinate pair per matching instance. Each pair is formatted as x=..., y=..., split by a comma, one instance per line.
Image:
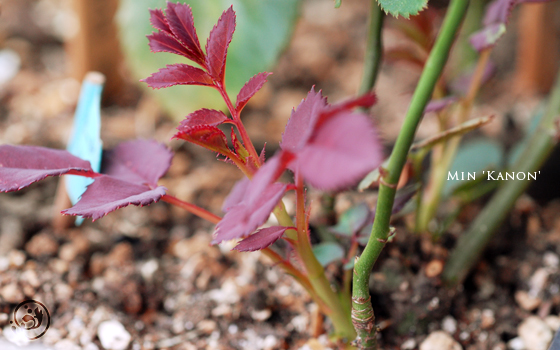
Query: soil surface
x=148, y=277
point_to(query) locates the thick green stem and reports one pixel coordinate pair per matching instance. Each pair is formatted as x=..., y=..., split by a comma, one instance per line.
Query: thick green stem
x=471, y=245
x=374, y=48
x=362, y=311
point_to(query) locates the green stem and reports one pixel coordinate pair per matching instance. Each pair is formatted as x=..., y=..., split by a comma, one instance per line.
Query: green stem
x=471, y=245
x=315, y=272
x=432, y=196
x=362, y=311
x=374, y=49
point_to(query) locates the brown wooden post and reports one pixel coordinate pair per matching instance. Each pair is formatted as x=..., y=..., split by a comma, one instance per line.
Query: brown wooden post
x=95, y=47
x=537, y=51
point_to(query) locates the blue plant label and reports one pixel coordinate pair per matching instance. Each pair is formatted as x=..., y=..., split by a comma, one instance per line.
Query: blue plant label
x=85, y=141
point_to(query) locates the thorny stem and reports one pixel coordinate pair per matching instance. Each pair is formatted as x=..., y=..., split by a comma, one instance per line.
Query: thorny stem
x=316, y=281
x=471, y=244
x=362, y=311
x=432, y=195
x=237, y=121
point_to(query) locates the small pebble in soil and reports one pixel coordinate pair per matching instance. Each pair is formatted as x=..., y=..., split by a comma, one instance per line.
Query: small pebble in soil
x=113, y=335
x=551, y=261
x=409, y=344
x=11, y=293
x=17, y=258
x=487, y=319
x=434, y=268
x=42, y=244
x=535, y=333
x=441, y=341
x=526, y=301
x=552, y=321
x=449, y=324
x=516, y=344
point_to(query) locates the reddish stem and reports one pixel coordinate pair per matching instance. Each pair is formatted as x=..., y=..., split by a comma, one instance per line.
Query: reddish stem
x=240, y=127
x=191, y=208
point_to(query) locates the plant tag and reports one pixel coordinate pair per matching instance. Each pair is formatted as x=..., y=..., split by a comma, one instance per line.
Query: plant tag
x=85, y=141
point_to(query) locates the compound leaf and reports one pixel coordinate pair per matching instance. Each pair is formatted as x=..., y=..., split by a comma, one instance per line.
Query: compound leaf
x=263, y=29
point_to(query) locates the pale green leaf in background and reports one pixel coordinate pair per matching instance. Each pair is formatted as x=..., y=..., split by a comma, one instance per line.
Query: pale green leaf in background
x=328, y=252
x=474, y=156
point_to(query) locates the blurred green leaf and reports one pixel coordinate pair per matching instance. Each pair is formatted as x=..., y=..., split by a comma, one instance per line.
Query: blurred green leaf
x=530, y=129
x=352, y=220
x=473, y=157
x=403, y=8
x=328, y=252
x=263, y=29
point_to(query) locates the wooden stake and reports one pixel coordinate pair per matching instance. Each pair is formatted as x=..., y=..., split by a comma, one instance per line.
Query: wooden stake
x=95, y=47
x=537, y=51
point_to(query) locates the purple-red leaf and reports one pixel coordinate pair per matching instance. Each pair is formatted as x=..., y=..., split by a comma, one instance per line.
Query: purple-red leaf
x=181, y=22
x=107, y=194
x=495, y=20
x=333, y=146
x=439, y=104
x=163, y=42
x=158, y=21
x=178, y=74
x=498, y=11
x=236, y=195
x=246, y=216
x=217, y=45
x=207, y=136
x=343, y=150
x=302, y=122
x=21, y=166
x=249, y=204
x=250, y=89
x=203, y=116
x=487, y=37
x=141, y=162
x=261, y=239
